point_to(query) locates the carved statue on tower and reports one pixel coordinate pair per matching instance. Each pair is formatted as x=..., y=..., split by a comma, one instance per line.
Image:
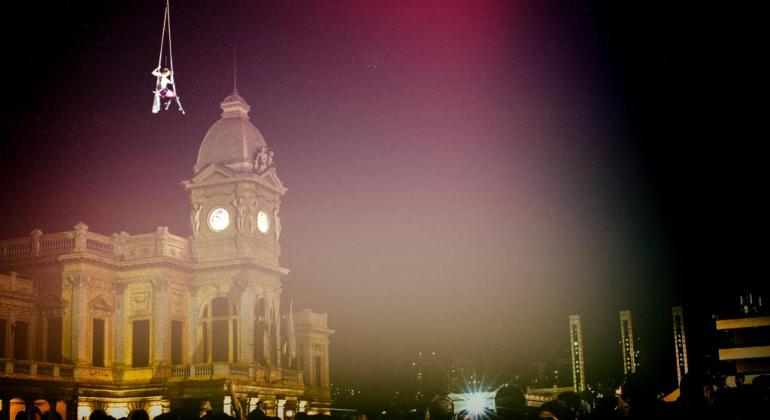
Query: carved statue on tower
x=262, y=160
x=240, y=207
x=253, y=207
x=195, y=218
x=277, y=221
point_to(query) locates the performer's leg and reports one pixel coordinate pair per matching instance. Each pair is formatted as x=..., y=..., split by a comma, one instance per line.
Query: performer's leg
x=179, y=105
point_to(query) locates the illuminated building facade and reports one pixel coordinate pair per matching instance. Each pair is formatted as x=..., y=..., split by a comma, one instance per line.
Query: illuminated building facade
x=680, y=343
x=744, y=347
x=630, y=354
x=576, y=350
x=153, y=321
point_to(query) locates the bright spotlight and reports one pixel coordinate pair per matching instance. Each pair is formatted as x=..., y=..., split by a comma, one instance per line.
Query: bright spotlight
x=475, y=403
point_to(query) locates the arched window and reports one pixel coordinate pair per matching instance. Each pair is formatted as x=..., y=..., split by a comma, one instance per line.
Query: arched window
x=219, y=330
x=261, y=332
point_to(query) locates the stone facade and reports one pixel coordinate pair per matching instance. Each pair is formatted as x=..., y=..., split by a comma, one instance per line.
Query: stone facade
x=154, y=320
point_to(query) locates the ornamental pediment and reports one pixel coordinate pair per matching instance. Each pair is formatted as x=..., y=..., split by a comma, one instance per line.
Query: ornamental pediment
x=212, y=173
x=270, y=179
x=52, y=302
x=100, y=304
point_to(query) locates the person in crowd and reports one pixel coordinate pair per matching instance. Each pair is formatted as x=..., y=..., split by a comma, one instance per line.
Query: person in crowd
x=574, y=403
x=696, y=396
x=554, y=410
x=138, y=415
x=510, y=403
x=440, y=408
x=637, y=397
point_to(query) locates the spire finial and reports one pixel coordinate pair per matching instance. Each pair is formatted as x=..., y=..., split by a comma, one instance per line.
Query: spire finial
x=235, y=69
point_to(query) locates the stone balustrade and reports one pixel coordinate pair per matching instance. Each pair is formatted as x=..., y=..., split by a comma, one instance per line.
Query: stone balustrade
x=15, y=247
x=39, y=371
x=120, y=246
x=43, y=371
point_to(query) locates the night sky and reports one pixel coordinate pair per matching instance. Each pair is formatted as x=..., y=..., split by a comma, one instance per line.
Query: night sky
x=462, y=175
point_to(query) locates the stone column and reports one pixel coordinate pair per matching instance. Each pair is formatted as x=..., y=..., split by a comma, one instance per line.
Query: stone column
x=192, y=326
x=51, y=405
x=230, y=349
x=267, y=350
x=9, y=335
x=277, y=323
x=325, y=358
x=79, y=332
x=118, y=356
x=160, y=334
x=246, y=321
x=72, y=409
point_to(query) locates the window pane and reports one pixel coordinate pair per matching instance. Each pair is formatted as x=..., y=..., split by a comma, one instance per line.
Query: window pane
x=205, y=341
x=317, y=371
x=97, y=348
x=176, y=342
x=20, y=340
x=219, y=341
x=140, y=343
x=259, y=337
x=219, y=306
x=235, y=341
x=3, y=329
x=53, y=341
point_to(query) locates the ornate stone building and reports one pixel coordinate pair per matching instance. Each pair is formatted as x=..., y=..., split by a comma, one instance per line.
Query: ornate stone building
x=155, y=320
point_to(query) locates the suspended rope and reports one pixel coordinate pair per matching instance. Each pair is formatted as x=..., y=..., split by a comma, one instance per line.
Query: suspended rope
x=163, y=35
x=166, y=90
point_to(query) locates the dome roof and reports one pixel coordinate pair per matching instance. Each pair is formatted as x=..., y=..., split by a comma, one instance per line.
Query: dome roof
x=233, y=140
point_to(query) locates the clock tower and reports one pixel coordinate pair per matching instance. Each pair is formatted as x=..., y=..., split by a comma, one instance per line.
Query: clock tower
x=235, y=195
x=235, y=198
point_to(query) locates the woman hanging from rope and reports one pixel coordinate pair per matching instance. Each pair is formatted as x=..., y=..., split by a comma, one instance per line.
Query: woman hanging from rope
x=165, y=88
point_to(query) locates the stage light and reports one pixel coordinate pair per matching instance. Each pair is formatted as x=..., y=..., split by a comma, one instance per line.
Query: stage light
x=476, y=404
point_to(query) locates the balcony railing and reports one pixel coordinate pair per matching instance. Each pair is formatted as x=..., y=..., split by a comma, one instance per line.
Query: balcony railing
x=35, y=370
x=119, y=246
x=43, y=371
x=15, y=247
x=24, y=368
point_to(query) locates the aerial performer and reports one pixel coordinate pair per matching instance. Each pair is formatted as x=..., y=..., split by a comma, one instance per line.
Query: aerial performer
x=166, y=90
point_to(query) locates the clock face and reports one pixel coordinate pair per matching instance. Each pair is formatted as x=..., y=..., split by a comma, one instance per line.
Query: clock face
x=219, y=219
x=263, y=223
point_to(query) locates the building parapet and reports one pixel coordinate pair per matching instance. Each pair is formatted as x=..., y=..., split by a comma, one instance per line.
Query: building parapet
x=307, y=318
x=121, y=246
x=53, y=372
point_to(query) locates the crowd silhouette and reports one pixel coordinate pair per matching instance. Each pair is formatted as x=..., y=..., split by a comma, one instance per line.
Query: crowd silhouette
x=700, y=397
